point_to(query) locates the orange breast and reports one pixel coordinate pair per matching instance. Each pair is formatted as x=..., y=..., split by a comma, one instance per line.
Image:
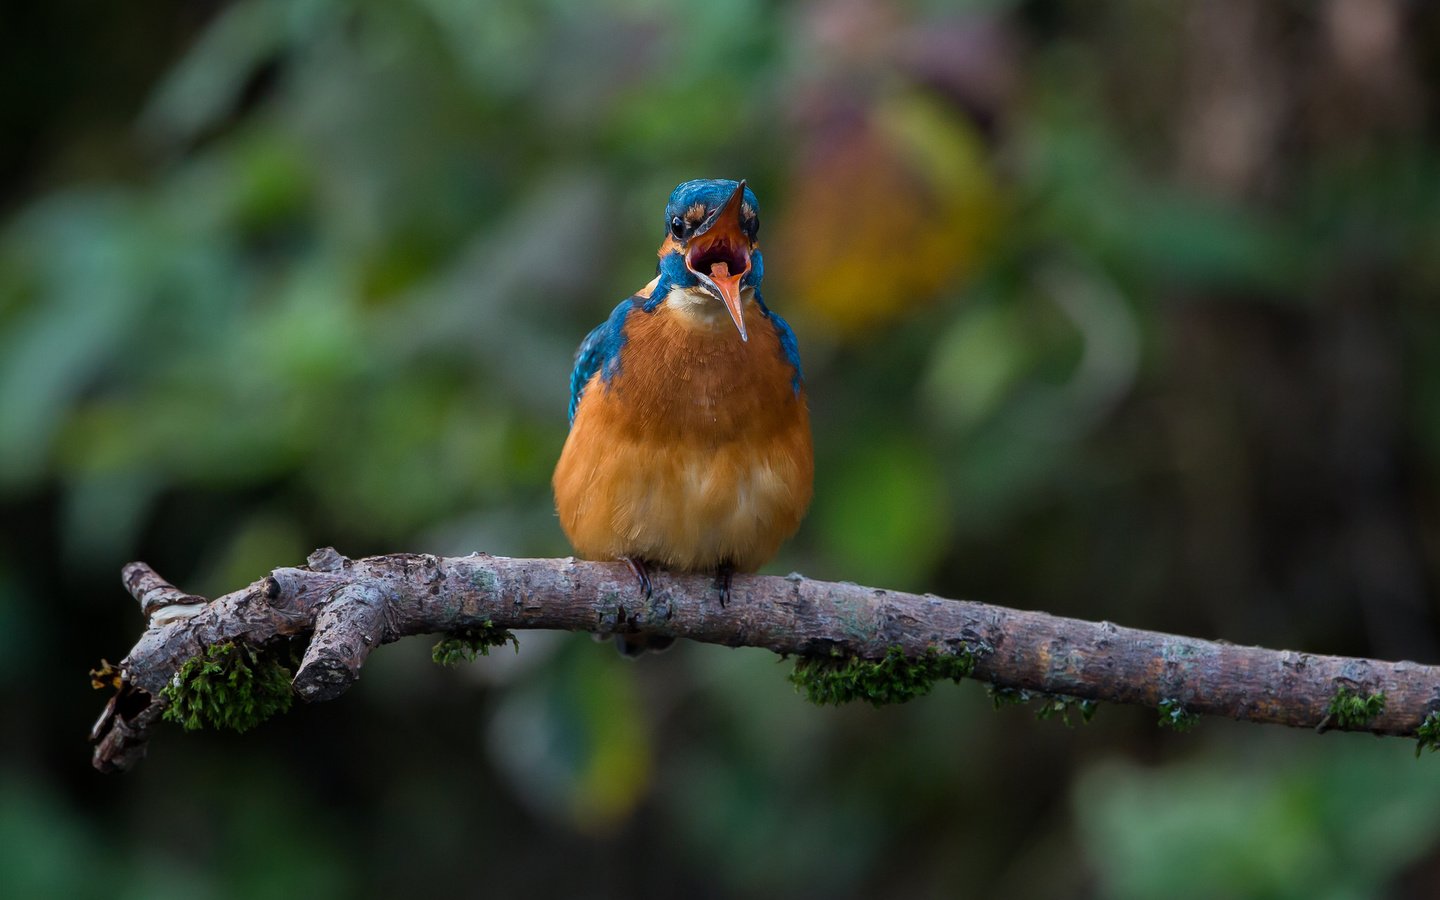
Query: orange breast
x=695, y=454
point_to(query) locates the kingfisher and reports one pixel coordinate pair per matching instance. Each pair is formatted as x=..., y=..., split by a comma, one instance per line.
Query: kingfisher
x=689, y=444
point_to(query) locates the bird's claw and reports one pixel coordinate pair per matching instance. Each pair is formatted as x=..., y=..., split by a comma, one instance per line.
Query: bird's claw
x=642, y=575
x=723, y=574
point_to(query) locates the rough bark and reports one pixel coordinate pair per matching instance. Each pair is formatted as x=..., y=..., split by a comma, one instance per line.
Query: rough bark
x=352, y=606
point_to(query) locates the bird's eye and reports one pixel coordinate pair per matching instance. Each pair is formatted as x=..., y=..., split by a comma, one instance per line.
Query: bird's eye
x=677, y=228
x=751, y=227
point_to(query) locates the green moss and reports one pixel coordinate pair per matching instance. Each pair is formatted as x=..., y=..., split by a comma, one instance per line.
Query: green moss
x=894, y=679
x=1002, y=697
x=469, y=644
x=1351, y=709
x=230, y=685
x=1051, y=705
x=1174, y=716
x=1063, y=705
x=1427, y=736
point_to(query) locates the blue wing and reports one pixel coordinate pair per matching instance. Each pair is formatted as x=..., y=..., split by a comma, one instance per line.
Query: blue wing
x=788, y=344
x=600, y=350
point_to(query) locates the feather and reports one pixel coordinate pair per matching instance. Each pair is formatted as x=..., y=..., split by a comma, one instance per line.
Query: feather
x=696, y=453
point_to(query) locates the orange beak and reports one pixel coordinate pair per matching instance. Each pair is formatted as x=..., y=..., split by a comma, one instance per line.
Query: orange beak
x=719, y=255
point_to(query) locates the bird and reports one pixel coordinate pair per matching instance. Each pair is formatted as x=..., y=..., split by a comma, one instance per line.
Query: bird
x=689, y=445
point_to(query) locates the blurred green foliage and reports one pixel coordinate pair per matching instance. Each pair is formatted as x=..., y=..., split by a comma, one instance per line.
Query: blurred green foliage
x=1123, y=311
x=1334, y=825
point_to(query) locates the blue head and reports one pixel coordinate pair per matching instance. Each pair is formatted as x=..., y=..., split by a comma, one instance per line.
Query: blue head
x=711, y=226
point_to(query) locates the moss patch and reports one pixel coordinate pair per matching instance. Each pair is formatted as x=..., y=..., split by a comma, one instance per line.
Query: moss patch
x=1049, y=706
x=1427, y=736
x=1063, y=705
x=1176, y=717
x=894, y=679
x=1351, y=709
x=1002, y=697
x=469, y=644
x=231, y=685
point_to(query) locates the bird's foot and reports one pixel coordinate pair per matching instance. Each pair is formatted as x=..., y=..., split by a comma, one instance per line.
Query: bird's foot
x=642, y=574
x=723, y=573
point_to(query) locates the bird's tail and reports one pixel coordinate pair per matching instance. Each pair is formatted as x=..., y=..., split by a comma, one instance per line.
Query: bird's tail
x=632, y=645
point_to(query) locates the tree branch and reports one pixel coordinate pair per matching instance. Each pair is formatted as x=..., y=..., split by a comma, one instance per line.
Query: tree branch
x=352, y=606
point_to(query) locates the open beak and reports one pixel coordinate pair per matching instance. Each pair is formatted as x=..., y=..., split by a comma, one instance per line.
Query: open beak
x=719, y=255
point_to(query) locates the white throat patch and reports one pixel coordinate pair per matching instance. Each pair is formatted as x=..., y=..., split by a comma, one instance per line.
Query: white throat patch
x=700, y=310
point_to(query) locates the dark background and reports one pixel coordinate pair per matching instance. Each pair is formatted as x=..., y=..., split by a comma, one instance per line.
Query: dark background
x=1124, y=311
